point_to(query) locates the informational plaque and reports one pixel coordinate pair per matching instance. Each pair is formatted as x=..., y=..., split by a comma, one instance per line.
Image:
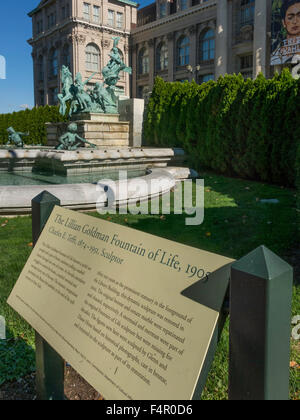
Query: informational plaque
x=134, y=314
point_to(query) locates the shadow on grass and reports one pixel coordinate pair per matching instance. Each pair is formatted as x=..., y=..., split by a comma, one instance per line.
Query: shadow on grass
x=17, y=358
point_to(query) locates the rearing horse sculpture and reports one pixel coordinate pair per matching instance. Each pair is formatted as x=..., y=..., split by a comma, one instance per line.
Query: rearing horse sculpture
x=66, y=95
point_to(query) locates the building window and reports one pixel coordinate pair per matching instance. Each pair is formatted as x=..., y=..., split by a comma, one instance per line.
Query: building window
x=92, y=60
x=40, y=69
x=246, y=66
x=162, y=10
x=207, y=46
x=206, y=78
x=119, y=20
x=96, y=14
x=53, y=67
x=86, y=11
x=53, y=100
x=247, y=12
x=41, y=98
x=173, y=7
x=184, y=4
x=195, y=2
x=66, y=57
x=39, y=27
x=51, y=20
x=183, y=51
x=162, y=57
x=144, y=61
x=111, y=18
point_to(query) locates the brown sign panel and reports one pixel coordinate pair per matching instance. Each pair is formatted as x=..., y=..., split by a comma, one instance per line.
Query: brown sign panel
x=134, y=314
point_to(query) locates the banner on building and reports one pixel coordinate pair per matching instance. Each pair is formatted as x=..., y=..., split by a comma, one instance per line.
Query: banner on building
x=285, y=31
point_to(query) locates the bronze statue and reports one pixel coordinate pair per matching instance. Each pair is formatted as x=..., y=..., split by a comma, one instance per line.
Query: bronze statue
x=15, y=137
x=71, y=140
x=99, y=100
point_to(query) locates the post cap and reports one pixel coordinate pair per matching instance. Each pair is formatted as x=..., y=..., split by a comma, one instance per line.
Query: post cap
x=262, y=263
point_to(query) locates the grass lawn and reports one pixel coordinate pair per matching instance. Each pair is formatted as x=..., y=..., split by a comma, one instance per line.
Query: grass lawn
x=235, y=224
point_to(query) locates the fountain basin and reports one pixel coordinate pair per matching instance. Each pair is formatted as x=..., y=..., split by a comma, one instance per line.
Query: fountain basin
x=87, y=196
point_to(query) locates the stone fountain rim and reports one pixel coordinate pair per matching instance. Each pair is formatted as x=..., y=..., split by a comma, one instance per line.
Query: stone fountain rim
x=17, y=199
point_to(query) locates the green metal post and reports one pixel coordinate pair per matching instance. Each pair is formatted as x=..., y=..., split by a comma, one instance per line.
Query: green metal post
x=260, y=318
x=49, y=365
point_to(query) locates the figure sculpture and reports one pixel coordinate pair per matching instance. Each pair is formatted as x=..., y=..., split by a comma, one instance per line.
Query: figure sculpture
x=15, y=137
x=101, y=99
x=66, y=95
x=71, y=140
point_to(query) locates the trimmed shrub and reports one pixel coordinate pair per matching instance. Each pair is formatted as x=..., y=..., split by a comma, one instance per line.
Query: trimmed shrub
x=235, y=127
x=298, y=188
x=32, y=121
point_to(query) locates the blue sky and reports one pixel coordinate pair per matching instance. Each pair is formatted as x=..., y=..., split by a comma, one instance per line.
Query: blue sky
x=16, y=91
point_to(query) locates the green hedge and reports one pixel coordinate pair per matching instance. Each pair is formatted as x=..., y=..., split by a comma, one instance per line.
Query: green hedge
x=32, y=121
x=240, y=128
x=298, y=188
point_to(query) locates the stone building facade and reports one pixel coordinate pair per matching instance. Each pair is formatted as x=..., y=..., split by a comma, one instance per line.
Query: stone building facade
x=78, y=33
x=175, y=39
x=200, y=39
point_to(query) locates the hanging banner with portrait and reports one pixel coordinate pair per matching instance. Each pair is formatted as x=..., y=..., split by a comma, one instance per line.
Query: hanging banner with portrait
x=285, y=31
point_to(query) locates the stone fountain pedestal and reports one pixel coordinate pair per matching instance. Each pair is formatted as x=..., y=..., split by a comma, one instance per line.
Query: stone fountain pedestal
x=103, y=130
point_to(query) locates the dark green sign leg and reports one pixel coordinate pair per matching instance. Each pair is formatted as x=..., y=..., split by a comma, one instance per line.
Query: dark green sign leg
x=260, y=318
x=49, y=365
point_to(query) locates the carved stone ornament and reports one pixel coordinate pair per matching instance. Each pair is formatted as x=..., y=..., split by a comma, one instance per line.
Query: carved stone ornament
x=77, y=38
x=105, y=43
x=192, y=29
x=247, y=32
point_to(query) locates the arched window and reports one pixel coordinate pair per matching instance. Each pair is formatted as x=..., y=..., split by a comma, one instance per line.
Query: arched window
x=92, y=60
x=66, y=57
x=162, y=57
x=207, y=45
x=183, y=51
x=40, y=68
x=144, y=61
x=53, y=64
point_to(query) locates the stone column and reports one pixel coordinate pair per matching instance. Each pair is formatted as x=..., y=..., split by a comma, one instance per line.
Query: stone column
x=151, y=46
x=221, y=38
x=35, y=76
x=260, y=38
x=134, y=65
x=193, y=50
x=171, y=59
x=46, y=73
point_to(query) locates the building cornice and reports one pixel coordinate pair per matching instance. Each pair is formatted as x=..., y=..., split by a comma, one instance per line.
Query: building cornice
x=175, y=17
x=42, y=4
x=50, y=31
x=77, y=22
x=102, y=28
